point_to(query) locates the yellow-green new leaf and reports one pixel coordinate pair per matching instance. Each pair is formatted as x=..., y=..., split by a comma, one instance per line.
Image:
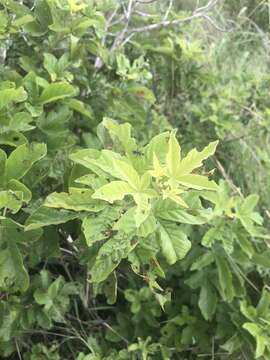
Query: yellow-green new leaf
x=127, y=173
x=197, y=182
x=194, y=159
x=116, y=190
x=77, y=200
x=122, y=132
x=173, y=156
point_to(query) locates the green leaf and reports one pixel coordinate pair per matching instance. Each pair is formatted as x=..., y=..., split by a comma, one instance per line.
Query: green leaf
x=12, y=138
x=115, y=190
x=148, y=227
x=212, y=235
x=208, y=301
x=12, y=271
x=77, y=200
x=44, y=216
x=99, y=227
x=3, y=159
x=11, y=200
x=109, y=257
x=173, y=242
x=22, y=159
x=8, y=96
x=50, y=64
x=16, y=185
x=225, y=277
x=170, y=210
x=57, y=91
x=80, y=107
x=203, y=261
x=194, y=159
x=257, y=332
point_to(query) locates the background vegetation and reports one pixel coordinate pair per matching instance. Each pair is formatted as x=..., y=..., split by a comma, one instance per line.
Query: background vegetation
x=88, y=273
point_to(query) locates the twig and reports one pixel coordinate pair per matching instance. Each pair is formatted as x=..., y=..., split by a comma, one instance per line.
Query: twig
x=168, y=10
x=98, y=62
x=226, y=176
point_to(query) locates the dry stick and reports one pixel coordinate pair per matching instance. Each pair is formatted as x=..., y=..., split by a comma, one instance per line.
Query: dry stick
x=226, y=176
x=18, y=350
x=198, y=13
x=120, y=38
x=168, y=10
x=98, y=62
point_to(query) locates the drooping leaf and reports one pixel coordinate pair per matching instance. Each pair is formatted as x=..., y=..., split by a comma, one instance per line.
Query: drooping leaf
x=225, y=277
x=12, y=271
x=174, y=243
x=208, y=300
x=44, y=216
x=109, y=257
x=115, y=190
x=22, y=158
x=77, y=200
x=99, y=227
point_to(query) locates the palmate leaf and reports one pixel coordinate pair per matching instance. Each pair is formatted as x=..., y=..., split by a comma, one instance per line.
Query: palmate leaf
x=127, y=173
x=115, y=190
x=173, y=156
x=171, y=211
x=76, y=199
x=197, y=182
x=173, y=242
x=194, y=159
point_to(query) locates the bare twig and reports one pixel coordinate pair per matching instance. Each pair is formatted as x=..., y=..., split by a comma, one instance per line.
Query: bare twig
x=98, y=62
x=168, y=10
x=197, y=13
x=130, y=7
x=229, y=180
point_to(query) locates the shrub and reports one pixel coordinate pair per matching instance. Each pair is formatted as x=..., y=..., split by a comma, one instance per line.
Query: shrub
x=115, y=241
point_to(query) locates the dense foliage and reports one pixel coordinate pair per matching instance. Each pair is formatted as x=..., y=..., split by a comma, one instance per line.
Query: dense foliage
x=134, y=180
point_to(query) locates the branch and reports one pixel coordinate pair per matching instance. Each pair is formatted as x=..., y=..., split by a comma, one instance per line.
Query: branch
x=197, y=13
